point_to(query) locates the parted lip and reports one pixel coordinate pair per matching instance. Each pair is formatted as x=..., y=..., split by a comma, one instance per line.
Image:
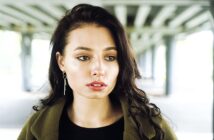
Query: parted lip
x=96, y=83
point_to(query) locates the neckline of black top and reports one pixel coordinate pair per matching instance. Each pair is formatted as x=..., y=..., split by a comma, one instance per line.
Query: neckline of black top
x=65, y=121
x=69, y=130
x=118, y=123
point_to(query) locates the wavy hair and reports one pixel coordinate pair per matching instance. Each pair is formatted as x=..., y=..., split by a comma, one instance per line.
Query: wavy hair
x=138, y=103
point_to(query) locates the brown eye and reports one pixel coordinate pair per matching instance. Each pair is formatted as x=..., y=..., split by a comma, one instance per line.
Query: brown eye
x=110, y=58
x=83, y=58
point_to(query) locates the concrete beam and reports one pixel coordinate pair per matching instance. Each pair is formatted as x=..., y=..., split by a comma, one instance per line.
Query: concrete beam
x=158, y=2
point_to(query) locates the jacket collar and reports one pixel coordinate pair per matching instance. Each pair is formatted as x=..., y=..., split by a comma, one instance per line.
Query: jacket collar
x=130, y=128
x=46, y=124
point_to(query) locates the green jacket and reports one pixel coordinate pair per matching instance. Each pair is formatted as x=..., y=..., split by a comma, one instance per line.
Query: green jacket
x=44, y=124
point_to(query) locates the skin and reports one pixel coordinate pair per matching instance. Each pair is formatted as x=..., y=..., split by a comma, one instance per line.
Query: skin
x=90, y=55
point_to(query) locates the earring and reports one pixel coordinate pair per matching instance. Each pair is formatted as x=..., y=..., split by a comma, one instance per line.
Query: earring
x=65, y=82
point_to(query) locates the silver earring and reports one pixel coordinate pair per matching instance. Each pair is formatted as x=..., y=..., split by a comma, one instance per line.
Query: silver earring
x=65, y=82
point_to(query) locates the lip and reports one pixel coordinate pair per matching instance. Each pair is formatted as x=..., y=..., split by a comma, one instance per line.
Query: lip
x=97, y=86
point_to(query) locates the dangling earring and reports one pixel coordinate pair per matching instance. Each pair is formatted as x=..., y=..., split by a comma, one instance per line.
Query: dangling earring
x=65, y=82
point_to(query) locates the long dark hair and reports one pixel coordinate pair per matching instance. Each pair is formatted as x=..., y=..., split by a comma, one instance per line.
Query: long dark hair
x=138, y=103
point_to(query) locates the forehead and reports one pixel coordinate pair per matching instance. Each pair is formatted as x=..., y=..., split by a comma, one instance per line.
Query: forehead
x=90, y=35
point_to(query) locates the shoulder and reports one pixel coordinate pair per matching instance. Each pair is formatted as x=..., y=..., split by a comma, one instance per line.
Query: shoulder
x=48, y=111
x=25, y=133
x=169, y=133
x=41, y=119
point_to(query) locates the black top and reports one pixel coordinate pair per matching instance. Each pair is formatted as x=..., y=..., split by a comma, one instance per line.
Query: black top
x=70, y=131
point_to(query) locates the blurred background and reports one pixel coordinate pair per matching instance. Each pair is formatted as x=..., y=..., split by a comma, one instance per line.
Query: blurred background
x=172, y=40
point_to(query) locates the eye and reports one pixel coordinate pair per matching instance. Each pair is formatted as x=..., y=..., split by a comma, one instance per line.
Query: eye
x=110, y=58
x=83, y=58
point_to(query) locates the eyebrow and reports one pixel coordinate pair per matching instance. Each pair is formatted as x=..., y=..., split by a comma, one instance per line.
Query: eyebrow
x=89, y=49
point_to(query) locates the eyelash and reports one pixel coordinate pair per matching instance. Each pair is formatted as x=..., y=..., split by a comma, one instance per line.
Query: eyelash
x=111, y=58
x=85, y=58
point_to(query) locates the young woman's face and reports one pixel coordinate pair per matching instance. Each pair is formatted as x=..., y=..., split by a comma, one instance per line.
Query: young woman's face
x=90, y=61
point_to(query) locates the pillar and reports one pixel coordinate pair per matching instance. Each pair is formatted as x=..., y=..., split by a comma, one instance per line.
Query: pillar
x=212, y=13
x=26, y=61
x=169, y=43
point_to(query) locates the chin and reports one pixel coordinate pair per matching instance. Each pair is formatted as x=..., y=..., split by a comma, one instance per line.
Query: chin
x=97, y=96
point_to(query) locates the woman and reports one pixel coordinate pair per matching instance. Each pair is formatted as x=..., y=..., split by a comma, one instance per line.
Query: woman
x=93, y=92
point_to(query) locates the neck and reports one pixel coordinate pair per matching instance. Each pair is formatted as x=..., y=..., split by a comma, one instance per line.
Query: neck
x=93, y=113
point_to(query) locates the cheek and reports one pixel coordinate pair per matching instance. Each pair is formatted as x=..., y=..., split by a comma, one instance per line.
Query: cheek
x=73, y=67
x=114, y=72
x=75, y=79
x=75, y=73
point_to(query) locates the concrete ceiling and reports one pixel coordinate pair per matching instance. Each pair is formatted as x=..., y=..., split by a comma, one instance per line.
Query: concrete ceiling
x=142, y=19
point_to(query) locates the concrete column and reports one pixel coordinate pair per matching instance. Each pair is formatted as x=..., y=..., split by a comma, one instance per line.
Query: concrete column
x=212, y=13
x=148, y=64
x=169, y=41
x=141, y=61
x=138, y=57
x=26, y=61
x=153, y=50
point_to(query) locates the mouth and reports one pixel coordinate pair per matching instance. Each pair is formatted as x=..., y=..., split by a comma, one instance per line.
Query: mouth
x=97, y=86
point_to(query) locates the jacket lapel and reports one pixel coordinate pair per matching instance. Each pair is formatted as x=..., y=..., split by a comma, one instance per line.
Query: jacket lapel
x=130, y=128
x=45, y=127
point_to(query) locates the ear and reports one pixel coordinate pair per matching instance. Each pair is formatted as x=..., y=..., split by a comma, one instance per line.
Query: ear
x=60, y=61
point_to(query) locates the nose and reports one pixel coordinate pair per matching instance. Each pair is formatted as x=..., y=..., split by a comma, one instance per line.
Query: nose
x=98, y=69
